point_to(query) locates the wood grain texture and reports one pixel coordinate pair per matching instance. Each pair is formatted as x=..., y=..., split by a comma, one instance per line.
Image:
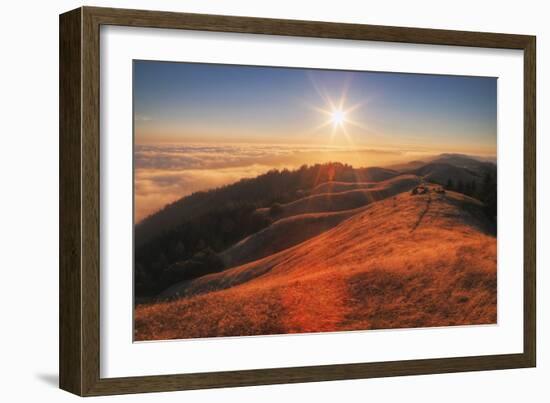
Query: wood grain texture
x=80, y=200
x=317, y=29
x=70, y=314
x=90, y=202
x=530, y=202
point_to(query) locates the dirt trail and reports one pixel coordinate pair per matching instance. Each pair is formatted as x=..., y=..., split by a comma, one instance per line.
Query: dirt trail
x=423, y=213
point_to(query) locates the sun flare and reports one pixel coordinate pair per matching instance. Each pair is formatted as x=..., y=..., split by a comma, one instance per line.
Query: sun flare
x=337, y=117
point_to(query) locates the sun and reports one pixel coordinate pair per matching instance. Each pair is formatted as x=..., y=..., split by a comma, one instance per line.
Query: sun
x=337, y=117
x=338, y=114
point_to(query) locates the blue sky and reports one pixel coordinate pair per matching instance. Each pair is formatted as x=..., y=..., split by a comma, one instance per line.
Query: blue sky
x=193, y=102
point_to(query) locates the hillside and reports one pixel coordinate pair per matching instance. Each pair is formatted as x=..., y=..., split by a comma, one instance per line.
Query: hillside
x=336, y=187
x=313, y=215
x=406, y=261
x=340, y=198
x=440, y=172
x=457, y=168
x=273, y=186
x=466, y=161
x=373, y=174
x=476, y=164
x=214, y=230
x=283, y=234
x=407, y=166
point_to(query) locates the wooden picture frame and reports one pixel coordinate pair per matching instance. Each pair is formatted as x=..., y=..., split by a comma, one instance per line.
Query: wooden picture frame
x=79, y=346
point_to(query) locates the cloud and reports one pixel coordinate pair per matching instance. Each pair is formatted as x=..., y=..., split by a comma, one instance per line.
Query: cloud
x=155, y=188
x=176, y=157
x=165, y=173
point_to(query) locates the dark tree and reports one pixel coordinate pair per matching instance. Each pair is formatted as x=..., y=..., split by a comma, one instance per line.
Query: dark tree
x=488, y=195
x=275, y=209
x=473, y=189
x=460, y=187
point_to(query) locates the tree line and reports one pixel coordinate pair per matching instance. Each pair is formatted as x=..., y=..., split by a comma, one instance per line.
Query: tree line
x=215, y=220
x=484, y=190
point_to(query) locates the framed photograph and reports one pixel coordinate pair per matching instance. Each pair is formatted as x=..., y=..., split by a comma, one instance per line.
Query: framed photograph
x=249, y=201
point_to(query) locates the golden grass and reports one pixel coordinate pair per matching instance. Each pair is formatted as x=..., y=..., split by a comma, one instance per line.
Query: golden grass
x=408, y=261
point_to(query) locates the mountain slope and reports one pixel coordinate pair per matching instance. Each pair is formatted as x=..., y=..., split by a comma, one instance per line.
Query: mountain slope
x=346, y=199
x=440, y=172
x=274, y=185
x=313, y=215
x=283, y=234
x=409, y=261
x=407, y=166
x=337, y=187
x=285, y=186
x=373, y=174
x=454, y=167
x=464, y=161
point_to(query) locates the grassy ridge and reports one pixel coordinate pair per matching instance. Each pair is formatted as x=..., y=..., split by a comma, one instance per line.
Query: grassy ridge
x=408, y=261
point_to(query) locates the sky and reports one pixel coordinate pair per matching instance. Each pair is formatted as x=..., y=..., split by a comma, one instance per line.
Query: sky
x=198, y=126
x=175, y=102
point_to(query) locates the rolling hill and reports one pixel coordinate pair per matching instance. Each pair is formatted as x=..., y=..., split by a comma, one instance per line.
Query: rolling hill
x=441, y=172
x=406, y=261
x=373, y=174
x=407, y=166
x=313, y=215
x=336, y=187
x=213, y=231
x=455, y=167
x=340, y=198
x=273, y=186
